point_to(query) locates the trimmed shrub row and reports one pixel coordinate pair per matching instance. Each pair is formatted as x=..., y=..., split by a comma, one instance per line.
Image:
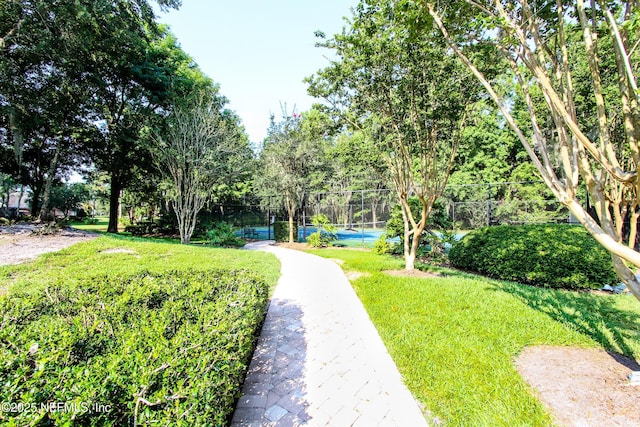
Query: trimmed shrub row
x=148, y=349
x=551, y=255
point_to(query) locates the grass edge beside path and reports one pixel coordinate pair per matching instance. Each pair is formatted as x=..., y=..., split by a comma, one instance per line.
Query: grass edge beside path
x=116, y=254
x=454, y=338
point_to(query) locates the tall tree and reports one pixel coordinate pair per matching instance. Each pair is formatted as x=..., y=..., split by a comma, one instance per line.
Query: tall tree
x=133, y=75
x=292, y=159
x=68, y=65
x=356, y=165
x=200, y=149
x=536, y=40
x=43, y=93
x=68, y=197
x=408, y=93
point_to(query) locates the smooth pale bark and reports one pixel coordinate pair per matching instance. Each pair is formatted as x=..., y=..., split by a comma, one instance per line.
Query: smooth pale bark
x=609, y=185
x=188, y=157
x=291, y=229
x=413, y=230
x=290, y=204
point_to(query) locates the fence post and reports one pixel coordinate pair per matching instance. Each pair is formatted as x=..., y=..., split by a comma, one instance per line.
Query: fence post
x=362, y=215
x=304, y=219
x=488, y=205
x=269, y=218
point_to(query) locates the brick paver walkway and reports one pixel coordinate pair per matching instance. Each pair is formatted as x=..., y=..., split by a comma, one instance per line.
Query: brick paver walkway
x=319, y=359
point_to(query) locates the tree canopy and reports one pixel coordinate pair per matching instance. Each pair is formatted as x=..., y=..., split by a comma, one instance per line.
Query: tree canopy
x=408, y=94
x=80, y=82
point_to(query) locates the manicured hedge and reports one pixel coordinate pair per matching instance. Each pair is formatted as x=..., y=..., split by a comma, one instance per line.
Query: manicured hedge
x=152, y=349
x=552, y=255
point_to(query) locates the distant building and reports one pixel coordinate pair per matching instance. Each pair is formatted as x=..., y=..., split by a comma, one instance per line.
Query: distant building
x=24, y=203
x=25, y=206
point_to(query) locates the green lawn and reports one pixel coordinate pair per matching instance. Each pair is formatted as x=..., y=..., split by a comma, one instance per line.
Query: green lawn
x=99, y=227
x=136, y=254
x=454, y=338
x=103, y=222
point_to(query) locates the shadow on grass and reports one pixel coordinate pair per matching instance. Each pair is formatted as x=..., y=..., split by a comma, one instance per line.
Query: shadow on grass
x=613, y=321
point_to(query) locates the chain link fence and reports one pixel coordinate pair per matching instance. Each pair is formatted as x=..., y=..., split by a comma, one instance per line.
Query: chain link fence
x=350, y=210
x=478, y=205
x=358, y=212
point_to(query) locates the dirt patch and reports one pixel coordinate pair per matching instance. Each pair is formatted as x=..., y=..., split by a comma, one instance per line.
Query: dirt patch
x=118, y=251
x=412, y=273
x=20, y=243
x=582, y=387
x=353, y=275
x=296, y=246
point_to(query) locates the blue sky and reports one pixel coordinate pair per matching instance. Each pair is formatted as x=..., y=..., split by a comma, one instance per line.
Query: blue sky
x=259, y=51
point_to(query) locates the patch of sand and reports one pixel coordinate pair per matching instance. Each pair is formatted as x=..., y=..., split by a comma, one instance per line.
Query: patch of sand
x=412, y=273
x=353, y=275
x=19, y=244
x=582, y=387
x=118, y=251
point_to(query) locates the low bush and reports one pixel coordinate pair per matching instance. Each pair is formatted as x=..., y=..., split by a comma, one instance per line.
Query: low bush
x=145, y=349
x=381, y=246
x=325, y=234
x=223, y=234
x=142, y=228
x=135, y=230
x=552, y=255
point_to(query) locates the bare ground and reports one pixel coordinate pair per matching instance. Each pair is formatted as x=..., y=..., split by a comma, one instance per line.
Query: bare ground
x=583, y=387
x=21, y=243
x=580, y=387
x=418, y=274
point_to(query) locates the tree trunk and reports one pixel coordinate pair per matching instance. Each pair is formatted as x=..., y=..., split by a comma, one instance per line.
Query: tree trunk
x=114, y=202
x=20, y=200
x=409, y=260
x=47, y=187
x=291, y=237
x=619, y=251
x=409, y=256
x=35, y=198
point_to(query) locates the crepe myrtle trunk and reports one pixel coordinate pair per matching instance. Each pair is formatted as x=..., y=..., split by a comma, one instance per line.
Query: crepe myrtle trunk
x=187, y=216
x=412, y=230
